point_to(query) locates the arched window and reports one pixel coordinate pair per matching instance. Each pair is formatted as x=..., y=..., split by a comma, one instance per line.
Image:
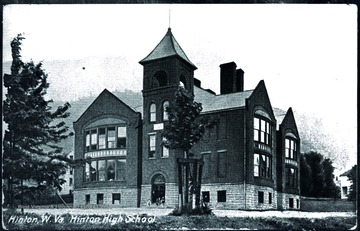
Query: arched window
x=165, y=114
x=160, y=79
x=152, y=112
x=182, y=82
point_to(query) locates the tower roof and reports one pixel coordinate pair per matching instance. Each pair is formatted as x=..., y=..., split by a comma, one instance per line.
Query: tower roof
x=167, y=47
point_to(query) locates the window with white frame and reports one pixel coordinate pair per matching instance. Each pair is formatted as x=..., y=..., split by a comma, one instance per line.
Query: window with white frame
x=105, y=138
x=165, y=151
x=165, y=114
x=262, y=166
x=152, y=112
x=290, y=149
x=105, y=170
x=152, y=145
x=291, y=177
x=262, y=131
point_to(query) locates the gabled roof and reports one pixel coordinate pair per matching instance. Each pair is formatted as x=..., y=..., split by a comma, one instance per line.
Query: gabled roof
x=212, y=103
x=347, y=173
x=167, y=47
x=101, y=95
x=289, y=118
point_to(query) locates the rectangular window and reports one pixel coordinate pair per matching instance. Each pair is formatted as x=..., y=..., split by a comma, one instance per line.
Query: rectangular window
x=152, y=146
x=221, y=128
x=268, y=167
x=102, y=138
x=262, y=166
x=87, y=172
x=287, y=148
x=93, y=171
x=165, y=151
x=152, y=112
x=221, y=196
x=256, y=164
x=110, y=170
x=121, y=142
x=99, y=198
x=70, y=181
x=291, y=177
x=116, y=198
x=71, y=171
x=262, y=131
x=207, y=165
x=93, y=141
x=87, y=141
x=344, y=189
x=111, y=134
x=291, y=202
x=222, y=165
x=101, y=170
x=120, y=169
x=270, y=198
x=206, y=196
x=256, y=129
x=260, y=197
x=290, y=149
x=297, y=203
x=87, y=199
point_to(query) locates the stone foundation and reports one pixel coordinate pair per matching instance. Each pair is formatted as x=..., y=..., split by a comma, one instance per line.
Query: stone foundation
x=284, y=201
x=171, y=195
x=128, y=197
x=238, y=197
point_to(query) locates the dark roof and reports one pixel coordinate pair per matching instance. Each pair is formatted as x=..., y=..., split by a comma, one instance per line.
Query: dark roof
x=167, y=47
x=212, y=103
x=346, y=173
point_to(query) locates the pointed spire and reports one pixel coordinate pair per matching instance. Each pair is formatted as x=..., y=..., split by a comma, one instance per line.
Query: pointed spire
x=167, y=47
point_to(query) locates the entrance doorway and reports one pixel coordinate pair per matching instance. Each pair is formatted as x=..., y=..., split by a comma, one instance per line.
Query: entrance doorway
x=158, y=189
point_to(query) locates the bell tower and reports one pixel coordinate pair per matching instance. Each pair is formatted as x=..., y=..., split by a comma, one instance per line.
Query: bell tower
x=165, y=69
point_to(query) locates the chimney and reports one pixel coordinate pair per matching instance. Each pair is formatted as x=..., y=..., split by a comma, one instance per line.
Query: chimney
x=197, y=83
x=239, y=80
x=227, y=78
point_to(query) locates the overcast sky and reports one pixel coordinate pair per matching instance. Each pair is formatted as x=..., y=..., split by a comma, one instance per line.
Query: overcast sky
x=307, y=54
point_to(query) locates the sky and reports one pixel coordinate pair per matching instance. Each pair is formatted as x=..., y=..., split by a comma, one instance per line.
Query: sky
x=306, y=54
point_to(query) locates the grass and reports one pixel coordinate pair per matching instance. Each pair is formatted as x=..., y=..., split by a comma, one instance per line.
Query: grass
x=327, y=205
x=177, y=222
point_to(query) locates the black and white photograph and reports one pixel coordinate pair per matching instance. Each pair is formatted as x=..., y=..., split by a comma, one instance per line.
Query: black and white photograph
x=179, y=116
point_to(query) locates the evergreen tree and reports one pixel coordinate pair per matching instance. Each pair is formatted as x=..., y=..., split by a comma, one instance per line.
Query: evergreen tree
x=317, y=176
x=184, y=129
x=306, y=185
x=330, y=188
x=31, y=140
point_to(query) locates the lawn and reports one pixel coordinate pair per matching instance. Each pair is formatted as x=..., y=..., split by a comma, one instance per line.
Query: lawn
x=31, y=221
